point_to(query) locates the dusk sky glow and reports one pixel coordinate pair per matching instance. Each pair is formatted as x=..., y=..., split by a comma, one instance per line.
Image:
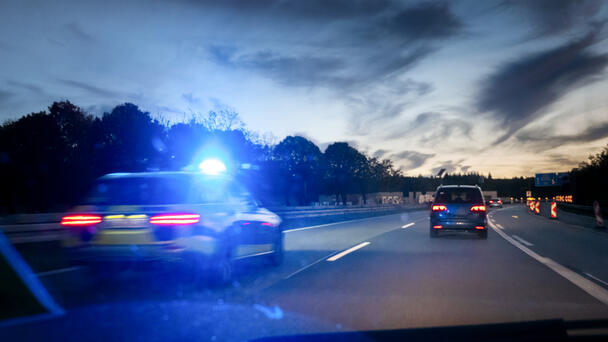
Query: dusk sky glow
x=507, y=87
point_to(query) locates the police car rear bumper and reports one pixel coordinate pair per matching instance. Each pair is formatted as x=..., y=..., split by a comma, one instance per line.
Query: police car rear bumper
x=166, y=251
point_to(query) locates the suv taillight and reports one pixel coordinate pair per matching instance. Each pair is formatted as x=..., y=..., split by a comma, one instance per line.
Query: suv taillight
x=80, y=220
x=175, y=219
x=478, y=208
x=439, y=207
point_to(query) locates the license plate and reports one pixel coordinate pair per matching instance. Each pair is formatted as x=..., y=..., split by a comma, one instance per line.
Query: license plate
x=122, y=221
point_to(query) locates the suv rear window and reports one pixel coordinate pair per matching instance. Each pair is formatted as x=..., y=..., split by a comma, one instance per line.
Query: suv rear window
x=140, y=191
x=458, y=195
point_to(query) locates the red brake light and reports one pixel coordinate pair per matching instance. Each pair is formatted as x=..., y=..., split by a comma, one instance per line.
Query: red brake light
x=80, y=220
x=480, y=227
x=437, y=227
x=499, y=201
x=175, y=219
x=439, y=208
x=267, y=224
x=491, y=201
x=478, y=208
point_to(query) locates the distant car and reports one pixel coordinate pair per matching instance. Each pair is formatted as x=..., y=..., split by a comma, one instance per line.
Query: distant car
x=495, y=202
x=458, y=208
x=205, y=222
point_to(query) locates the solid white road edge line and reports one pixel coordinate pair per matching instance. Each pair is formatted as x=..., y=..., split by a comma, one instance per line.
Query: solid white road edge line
x=306, y=267
x=350, y=250
x=332, y=224
x=596, y=278
x=529, y=244
x=583, y=283
x=408, y=225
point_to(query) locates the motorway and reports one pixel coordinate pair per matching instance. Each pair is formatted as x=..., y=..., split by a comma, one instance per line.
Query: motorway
x=376, y=273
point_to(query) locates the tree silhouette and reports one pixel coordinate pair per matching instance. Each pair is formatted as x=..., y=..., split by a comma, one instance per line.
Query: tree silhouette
x=300, y=162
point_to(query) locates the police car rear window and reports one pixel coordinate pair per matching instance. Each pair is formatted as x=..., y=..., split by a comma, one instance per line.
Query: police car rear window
x=458, y=195
x=143, y=190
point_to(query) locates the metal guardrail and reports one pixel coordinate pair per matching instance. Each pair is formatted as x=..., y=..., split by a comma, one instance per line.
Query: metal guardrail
x=28, y=228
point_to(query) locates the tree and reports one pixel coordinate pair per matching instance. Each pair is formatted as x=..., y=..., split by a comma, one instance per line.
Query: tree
x=132, y=140
x=344, y=165
x=300, y=161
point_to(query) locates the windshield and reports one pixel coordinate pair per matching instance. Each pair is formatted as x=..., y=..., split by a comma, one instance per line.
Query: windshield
x=234, y=170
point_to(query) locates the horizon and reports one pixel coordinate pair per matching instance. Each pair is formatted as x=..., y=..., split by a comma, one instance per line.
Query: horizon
x=496, y=87
x=274, y=141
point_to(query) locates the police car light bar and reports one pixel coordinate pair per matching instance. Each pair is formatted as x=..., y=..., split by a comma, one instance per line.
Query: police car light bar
x=212, y=167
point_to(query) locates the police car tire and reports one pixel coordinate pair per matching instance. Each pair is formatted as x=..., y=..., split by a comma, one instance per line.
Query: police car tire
x=221, y=272
x=276, y=258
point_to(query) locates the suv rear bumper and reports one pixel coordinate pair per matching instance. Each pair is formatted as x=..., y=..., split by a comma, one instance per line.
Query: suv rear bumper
x=459, y=224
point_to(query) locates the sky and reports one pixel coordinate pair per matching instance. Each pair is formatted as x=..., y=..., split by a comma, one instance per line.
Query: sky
x=503, y=87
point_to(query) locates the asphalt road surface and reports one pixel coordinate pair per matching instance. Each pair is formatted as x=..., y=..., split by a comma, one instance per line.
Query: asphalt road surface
x=377, y=273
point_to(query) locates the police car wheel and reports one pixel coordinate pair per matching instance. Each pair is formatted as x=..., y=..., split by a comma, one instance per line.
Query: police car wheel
x=276, y=258
x=222, y=271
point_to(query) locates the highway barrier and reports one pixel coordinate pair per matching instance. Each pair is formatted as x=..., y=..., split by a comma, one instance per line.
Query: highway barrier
x=36, y=228
x=553, y=210
x=537, y=207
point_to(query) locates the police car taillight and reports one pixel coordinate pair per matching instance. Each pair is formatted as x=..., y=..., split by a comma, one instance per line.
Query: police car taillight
x=80, y=220
x=175, y=219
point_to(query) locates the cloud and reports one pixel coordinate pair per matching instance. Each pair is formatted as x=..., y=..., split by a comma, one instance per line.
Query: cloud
x=191, y=99
x=296, y=70
x=5, y=95
x=359, y=51
x=97, y=91
x=425, y=21
x=27, y=86
x=444, y=129
x=553, y=17
x=450, y=166
x=519, y=91
x=432, y=127
x=542, y=140
x=412, y=159
x=379, y=153
x=77, y=31
x=563, y=160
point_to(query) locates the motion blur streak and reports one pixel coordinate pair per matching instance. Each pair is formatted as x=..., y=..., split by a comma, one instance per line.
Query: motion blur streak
x=80, y=220
x=175, y=219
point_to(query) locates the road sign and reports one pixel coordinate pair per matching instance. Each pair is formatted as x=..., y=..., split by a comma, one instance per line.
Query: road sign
x=551, y=179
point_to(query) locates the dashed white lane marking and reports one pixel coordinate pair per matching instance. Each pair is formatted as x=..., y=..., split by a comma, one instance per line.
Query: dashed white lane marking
x=596, y=278
x=514, y=216
x=348, y=251
x=529, y=244
x=408, y=225
x=499, y=226
x=58, y=271
x=583, y=283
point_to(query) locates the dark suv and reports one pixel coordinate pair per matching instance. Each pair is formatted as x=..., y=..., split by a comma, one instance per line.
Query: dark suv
x=458, y=208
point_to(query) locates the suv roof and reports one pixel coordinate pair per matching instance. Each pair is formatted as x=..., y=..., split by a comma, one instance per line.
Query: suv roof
x=459, y=186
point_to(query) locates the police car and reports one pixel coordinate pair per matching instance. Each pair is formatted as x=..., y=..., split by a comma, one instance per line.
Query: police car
x=206, y=221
